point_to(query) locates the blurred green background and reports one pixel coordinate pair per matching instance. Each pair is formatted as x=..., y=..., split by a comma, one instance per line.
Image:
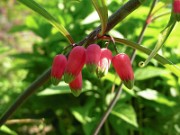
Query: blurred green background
x=28, y=44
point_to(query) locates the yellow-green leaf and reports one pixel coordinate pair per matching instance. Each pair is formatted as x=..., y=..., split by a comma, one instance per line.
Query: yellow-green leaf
x=126, y=113
x=41, y=11
x=161, y=40
x=101, y=8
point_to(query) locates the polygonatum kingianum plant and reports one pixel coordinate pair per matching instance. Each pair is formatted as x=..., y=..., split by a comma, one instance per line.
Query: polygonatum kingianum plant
x=96, y=59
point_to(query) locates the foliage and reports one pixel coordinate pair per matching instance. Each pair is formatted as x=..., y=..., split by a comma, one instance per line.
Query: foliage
x=29, y=43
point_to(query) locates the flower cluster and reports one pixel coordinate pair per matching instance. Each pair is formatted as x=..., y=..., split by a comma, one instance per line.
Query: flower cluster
x=96, y=59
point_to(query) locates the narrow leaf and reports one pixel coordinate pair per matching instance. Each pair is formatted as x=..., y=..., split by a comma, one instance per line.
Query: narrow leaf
x=7, y=130
x=41, y=11
x=101, y=8
x=161, y=40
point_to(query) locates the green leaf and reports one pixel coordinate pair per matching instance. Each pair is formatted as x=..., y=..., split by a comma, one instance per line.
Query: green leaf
x=41, y=11
x=126, y=113
x=82, y=113
x=101, y=8
x=87, y=115
x=7, y=130
x=62, y=88
x=156, y=97
x=149, y=72
x=112, y=77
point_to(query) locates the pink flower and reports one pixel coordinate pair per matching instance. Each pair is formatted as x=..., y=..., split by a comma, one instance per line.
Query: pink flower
x=58, y=67
x=76, y=85
x=104, y=62
x=93, y=53
x=122, y=65
x=176, y=9
x=176, y=6
x=76, y=61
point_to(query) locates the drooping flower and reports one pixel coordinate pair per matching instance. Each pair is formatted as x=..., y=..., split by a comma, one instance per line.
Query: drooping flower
x=76, y=85
x=176, y=9
x=58, y=67
x=176, y=6
x=122, y=64
x=93, y=54
x=104, y=62
x=76, y=61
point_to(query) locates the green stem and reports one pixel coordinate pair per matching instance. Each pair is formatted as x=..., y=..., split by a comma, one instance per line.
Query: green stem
x=163, y=6
x=139, y=41
x=161, y=40
x=160, y=15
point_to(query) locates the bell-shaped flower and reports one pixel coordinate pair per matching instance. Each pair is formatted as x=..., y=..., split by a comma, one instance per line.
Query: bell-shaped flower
x=58, y=67
x=93, y=54
x=76, y=85
x=104, y=62
x=176, y=9
x=75, y=63
x=122, y=64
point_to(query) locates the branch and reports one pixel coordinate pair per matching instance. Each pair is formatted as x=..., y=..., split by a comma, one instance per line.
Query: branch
x=118, y=16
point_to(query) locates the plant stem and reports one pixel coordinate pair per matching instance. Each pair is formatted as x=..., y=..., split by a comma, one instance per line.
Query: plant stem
x=116, y=97
x=109, y=109
x=118, y=16
x=139, y=41
x=160, y=15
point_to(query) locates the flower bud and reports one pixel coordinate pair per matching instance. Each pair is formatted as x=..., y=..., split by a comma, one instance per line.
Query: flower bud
x=58, y=67
x=93, y=53
x=122, y=65
x=75, y=63
x=104, y=62
x=76, y=85
x=176, y=9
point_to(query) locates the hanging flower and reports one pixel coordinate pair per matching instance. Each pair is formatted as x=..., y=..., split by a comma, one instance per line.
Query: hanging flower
x=76, y=85
x=93, y=53
x=122, y=65
x=104, y=62
x=58, y=67
x=76, y=61
x=176, y=9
